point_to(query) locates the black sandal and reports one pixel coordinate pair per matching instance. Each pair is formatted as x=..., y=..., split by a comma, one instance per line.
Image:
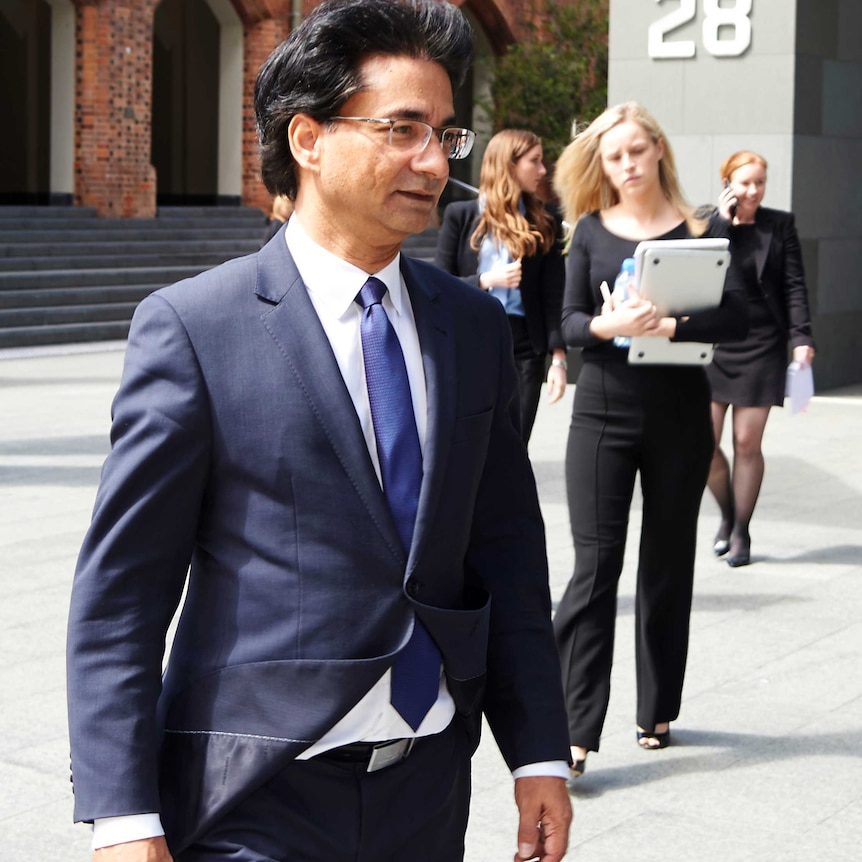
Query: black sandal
x=663, y=739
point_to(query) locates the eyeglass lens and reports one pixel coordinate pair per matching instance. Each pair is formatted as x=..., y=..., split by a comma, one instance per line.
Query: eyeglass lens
x=408, y=134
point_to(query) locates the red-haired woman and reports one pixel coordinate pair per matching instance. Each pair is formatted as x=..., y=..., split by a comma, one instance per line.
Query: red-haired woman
x=750, y=374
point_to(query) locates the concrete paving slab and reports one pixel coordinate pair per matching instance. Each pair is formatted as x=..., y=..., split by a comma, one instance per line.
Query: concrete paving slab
x=765, y=764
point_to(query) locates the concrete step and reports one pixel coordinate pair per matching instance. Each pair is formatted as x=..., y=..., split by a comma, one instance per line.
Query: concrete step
x=69, y=277
x=14, y=213
x=50, y=214
x=67, y=296
x=219, y=214
x=151, y=231
x=51, y=315
x=134, y=260
x=72, y=333
x=36, y=280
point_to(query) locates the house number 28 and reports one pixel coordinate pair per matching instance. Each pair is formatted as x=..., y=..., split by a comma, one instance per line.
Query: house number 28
x=734, y=20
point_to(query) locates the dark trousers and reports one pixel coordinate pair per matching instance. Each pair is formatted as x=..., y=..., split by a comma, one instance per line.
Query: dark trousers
x=531, y=374
x=324, y=810
x=626, y=420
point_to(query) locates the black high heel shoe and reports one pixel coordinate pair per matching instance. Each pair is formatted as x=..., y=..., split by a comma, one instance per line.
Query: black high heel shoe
x=737, y=560
x=740, y=554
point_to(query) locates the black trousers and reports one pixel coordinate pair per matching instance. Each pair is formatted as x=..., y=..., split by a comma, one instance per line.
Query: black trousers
x=628, y=420
x=531, y=374
x=324, y=810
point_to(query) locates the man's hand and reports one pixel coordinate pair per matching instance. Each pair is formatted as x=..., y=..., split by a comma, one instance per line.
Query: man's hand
x=545, y=816
x=147, y=850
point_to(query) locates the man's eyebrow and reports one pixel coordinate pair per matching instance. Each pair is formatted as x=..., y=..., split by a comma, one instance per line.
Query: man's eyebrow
x=412, y=114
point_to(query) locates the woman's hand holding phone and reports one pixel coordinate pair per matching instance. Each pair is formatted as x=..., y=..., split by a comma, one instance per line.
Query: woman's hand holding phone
x=727, y=202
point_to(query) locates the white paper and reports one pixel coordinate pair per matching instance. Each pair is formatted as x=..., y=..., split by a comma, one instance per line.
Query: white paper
x=799, y=386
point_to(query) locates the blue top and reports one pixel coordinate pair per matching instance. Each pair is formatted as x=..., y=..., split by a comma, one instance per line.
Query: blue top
x=492, y=254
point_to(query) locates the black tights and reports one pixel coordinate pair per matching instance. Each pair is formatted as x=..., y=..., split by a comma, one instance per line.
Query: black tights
x=736, y=493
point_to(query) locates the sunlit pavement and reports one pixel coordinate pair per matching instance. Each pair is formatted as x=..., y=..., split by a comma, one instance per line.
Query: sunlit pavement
x=765, y=763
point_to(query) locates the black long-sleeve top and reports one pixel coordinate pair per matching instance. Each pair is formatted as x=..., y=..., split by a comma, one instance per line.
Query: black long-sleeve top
x=596, y=255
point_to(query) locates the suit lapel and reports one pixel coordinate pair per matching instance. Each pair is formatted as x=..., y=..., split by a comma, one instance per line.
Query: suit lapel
x=293, y=323
x=763, y=228
x=436, y=340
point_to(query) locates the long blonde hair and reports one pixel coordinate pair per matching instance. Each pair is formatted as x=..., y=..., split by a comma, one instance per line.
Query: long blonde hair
x=581, y=183
x=522, y=234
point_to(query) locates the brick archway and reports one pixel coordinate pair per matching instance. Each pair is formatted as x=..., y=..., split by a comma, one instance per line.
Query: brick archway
x=501, y=20
x=113, y=91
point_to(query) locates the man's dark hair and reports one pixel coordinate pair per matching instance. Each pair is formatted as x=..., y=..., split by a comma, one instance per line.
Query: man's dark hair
x=316, y=69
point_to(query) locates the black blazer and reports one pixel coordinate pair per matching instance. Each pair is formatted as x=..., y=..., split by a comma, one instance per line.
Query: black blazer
x=781, y=275
x=237, y=449
x=542, y=275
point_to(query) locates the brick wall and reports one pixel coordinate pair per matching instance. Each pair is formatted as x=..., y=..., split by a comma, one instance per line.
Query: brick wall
x=113, y=170
x=260, y=39
x=112, y=110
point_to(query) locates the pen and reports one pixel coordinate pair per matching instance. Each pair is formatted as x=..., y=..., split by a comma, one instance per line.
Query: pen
x=606, y=292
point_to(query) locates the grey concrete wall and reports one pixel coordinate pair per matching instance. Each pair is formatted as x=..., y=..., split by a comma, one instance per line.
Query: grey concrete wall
x=794, y=94
x=827, y=178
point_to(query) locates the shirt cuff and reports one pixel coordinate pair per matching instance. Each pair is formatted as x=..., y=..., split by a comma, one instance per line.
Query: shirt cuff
x=127, y=827
x=544, y=769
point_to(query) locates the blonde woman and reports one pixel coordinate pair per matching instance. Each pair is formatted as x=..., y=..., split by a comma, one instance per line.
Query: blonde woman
x=750, y=374
x=618, y=185
x=508, y=243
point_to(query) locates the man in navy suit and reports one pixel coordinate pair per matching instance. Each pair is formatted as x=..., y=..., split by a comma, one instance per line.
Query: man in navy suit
x=247, y=468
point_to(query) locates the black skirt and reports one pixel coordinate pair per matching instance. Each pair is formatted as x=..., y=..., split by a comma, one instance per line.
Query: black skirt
x=751, y=373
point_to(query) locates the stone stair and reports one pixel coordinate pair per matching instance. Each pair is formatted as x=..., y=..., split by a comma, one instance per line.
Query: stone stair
x=68, y=277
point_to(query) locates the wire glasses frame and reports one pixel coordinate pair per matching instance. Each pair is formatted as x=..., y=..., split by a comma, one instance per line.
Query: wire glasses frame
x=415, y=135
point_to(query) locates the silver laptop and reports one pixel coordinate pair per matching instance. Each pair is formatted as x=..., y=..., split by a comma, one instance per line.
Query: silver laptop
x=680, y=276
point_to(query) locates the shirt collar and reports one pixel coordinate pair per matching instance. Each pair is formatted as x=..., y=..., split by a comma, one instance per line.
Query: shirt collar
x=333, y=281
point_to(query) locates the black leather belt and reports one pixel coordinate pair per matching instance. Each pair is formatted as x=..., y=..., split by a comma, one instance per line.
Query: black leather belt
x=375, y=755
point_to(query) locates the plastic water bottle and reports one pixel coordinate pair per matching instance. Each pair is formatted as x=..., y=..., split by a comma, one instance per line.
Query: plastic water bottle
x=624, y=280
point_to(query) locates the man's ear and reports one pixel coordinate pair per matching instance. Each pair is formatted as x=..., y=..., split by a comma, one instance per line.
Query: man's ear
x=303, y=136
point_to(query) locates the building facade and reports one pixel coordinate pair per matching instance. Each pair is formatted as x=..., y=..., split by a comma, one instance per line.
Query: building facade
x=123, y=105
x=782, y=78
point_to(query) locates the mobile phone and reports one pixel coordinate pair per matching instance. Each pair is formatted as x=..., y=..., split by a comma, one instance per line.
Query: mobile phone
x=733, y=206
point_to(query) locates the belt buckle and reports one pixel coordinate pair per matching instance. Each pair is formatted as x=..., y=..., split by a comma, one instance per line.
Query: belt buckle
x=389, y=753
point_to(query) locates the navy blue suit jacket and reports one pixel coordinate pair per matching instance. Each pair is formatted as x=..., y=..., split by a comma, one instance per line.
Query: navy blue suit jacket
x=236, y=451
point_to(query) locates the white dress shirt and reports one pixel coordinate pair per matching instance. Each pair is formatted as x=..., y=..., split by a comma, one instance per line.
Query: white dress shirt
x=333, y=285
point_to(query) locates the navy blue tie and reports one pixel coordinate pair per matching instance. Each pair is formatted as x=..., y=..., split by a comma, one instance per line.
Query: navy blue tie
x=416, y=672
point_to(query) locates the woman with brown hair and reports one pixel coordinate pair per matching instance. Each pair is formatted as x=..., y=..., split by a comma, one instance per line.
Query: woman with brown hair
x=508, y=243
x=618, y=185
x=750, y=375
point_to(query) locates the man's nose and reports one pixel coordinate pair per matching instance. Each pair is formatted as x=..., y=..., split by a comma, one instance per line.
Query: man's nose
x=432, y=159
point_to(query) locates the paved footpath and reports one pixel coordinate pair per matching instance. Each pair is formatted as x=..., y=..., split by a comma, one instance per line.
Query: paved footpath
x=767, y=757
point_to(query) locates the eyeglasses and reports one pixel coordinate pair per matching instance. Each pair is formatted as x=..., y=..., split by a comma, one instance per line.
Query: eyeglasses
x=414, y=135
